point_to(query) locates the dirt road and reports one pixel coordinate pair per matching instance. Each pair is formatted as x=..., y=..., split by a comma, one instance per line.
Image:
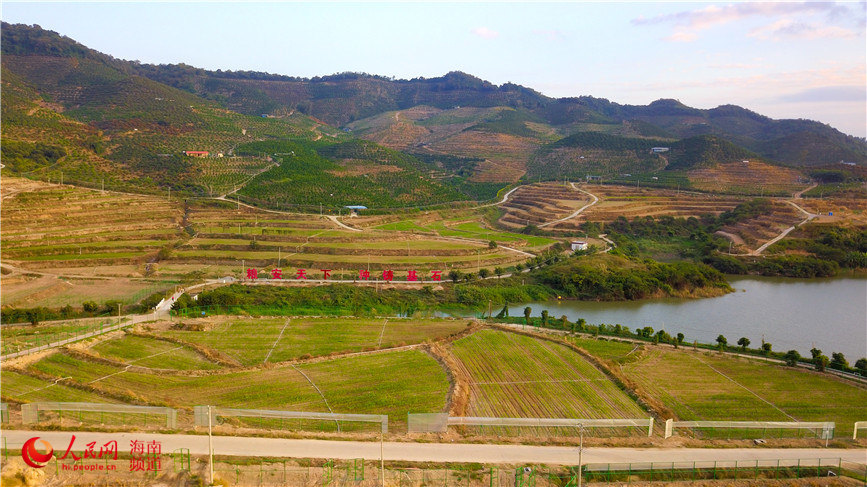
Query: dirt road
x=579, y=211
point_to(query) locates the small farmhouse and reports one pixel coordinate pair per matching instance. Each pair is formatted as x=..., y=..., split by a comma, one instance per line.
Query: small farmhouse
x=196, y=153
x=578, y=245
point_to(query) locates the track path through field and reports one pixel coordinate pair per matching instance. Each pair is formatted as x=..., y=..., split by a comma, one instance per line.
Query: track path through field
x=277, y=340
x=435, y=452
x=505, y=198
x=769, y=403
x=317, y=390
x=382, y=332
x=577, y=212
x=785, y=232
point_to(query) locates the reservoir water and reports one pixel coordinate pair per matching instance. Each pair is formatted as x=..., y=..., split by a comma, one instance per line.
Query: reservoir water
x=830, y=314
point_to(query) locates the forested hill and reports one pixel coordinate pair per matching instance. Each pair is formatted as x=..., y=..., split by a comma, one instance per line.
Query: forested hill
x=33, y=55
x=342, y=98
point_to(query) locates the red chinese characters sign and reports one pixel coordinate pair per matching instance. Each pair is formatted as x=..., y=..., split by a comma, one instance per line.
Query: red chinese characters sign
x=387, y=275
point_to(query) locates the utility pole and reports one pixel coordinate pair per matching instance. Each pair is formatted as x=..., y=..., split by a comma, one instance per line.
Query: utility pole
x=210, y=446
x=118, y=313
x=103, y=185
x=580, y=453
x=381, y=460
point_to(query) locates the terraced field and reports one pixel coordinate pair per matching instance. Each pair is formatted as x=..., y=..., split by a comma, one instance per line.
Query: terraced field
x=631, y=202
x=752, y=233
x=60, y=226
x=536, y=204
x=708, y=386
x=293, y=241
x=513, y=375
x=750, y=178
x=80, y=233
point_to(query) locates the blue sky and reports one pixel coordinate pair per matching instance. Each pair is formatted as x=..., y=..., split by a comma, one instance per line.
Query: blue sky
x=784, y=60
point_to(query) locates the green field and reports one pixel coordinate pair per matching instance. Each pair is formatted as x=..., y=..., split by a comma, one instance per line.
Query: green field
x=392, y=383
x=620, y=352
x=708, y=386
x=24, y=388
x=22, y=337
x=148, y=352
x=517, y=376
x=281, y=339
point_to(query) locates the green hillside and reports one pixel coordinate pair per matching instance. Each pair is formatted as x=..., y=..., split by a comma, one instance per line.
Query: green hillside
x=335, y=175
x=705, y=151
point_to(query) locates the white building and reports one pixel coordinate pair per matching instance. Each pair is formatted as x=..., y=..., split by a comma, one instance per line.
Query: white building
x=577, y=245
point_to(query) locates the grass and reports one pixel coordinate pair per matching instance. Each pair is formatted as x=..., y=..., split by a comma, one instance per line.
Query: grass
x=709, y=386
x=518, y=376
x=25, y=388
x=392, y=383
x=312, y=337
x=22, y=337
x=620, y=352
x=148, y=352
x=403, y=226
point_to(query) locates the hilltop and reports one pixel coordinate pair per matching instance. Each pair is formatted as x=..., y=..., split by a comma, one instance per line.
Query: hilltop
x=74, y=113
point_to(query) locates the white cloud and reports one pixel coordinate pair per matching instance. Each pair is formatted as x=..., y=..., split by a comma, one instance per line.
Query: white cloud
x=681, y=36
x=485, y=33
x=689, y=23
x=789, y=28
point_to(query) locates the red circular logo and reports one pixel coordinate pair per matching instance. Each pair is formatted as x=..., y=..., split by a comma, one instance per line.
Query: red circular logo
x=32, y=457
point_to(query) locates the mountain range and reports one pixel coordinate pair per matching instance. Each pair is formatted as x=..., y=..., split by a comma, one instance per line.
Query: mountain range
x=70, y=108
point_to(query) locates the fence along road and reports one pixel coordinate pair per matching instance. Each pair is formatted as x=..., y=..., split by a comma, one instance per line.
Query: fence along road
x=436, y=452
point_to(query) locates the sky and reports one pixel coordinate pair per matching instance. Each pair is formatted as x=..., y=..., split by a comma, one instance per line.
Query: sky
x=780, y=59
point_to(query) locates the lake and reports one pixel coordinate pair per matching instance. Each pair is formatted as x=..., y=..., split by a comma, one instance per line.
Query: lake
x=830, y=314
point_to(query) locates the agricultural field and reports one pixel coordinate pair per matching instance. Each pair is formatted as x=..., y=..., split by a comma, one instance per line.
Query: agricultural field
x=227, y=236
x=25, y=289
x=24, y=336
x=631, y=202
x=610, y=350
x=748, y=178
x=281, y=339
x=19, y=387
x=748, y=235
x=152, y=353
x=513, y=375
x=392, y=383
x=709, y=386
x=148, y=244
x=537, y=204
x=61, y=226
